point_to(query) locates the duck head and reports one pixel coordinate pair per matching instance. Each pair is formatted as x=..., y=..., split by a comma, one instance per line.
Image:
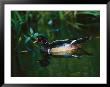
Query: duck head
x=41, y=39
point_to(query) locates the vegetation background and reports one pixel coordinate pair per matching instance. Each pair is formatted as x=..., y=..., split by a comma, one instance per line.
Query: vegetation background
x=55, y=25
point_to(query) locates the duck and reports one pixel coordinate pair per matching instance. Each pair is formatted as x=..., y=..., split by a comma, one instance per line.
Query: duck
x=61, y=47
x=67, y=48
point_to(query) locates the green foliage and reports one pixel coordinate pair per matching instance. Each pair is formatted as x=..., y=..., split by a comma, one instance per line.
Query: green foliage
x=54, y=25
x=94, y=13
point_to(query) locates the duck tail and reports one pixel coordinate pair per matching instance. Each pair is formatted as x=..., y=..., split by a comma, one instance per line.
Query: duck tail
x=80, y=40
x=84, y=52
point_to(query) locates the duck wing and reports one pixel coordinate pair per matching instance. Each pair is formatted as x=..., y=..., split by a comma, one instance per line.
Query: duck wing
x=57, y=43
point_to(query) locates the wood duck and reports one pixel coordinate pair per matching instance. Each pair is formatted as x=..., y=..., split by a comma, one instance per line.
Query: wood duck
x=68, y=48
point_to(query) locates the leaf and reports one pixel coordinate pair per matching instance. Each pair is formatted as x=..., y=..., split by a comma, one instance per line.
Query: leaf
x=76, y=25
x=27, y=40
x=31, y=30
x=95, y=13
x=50, y=22
x=61, y=15
x=25, y=36
x=19, y=16
x=35, y=35
x=19, y=40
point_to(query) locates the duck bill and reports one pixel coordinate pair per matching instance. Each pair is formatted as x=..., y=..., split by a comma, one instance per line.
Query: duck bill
x=36, y=40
